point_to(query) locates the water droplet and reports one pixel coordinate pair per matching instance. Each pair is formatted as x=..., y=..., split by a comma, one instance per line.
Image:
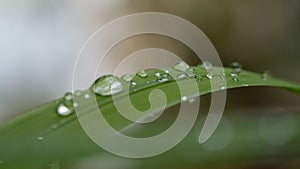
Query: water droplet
x=210, y=75
x=78, y=92
x=148, y=82
x=207, y=65
x=223, y=88
x=184, y=98
x=164, y=79
x=86, y=96
x=68, y=96
x=133, y=83
x=167, y=71
x=181, y=66
x=107, y=85
x=235, y=79
x=54, y=126
x=63, y=110
x=233, y=74
x=75, y=104
x=157, y=74
x=142, y=74
x=245, y=85
x=192, y=100
x=237, y=67
x=267, y=75
x=181, y=76
x=127, y=77
x=40, y=138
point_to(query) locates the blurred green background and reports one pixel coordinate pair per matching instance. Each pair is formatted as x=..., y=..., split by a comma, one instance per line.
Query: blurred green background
x=40, y=41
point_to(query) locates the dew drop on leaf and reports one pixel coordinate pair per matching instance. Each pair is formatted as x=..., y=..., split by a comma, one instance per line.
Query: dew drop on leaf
x=107, y=85
x=86, y=96
x=184, y=98
x=181, y=76
x=133, y=83
x=78, y=92
x=209, y=75
x=192, y=100
x=181, y=66
x=142, y=74
x=68, y=96
x=127, y=77
x=267, y=75
x=157, y=74
x=64, y=110
x=237, y=67
x=207, y=65
x=40, y=138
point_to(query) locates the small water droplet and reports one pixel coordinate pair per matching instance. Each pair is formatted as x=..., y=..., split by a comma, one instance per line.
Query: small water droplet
x=64, y=110
x=133, y=83
x=207, y=65
x=181, y=66
x=237, y=67
x=192, y=100
x=164, y=79
x=107, y=85
x=54, y=126
x=148, y=82
x=68, y=96
x=267, y=75
x=75, y=104
x=40, y=138
x=233, y=74
x=181, y=76
x=223, y=88
x=245, y=85
x=78, y=92
x=142, y=74
x=127, y=77
x=167, y=71
x=235, y=79
x=87, y=96
x=157, y=74
x=184, y=98
x=210, y=75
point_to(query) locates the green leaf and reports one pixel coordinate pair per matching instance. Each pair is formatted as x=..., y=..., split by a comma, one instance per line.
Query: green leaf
x=40, y=137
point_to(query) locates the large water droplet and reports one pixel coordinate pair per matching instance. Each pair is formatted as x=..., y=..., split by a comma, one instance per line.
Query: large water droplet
x=207, y=65
x=127, y=77
x=108, y=85
x=237, y=67
x=267, y=75
x=142, y=74
x=64, y=110
x=181, y=66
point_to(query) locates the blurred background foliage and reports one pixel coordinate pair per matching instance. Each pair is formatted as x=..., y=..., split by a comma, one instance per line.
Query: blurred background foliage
x=40, y=41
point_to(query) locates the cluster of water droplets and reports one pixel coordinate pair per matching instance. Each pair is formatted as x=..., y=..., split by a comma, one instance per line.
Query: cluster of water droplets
x=109, y=85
